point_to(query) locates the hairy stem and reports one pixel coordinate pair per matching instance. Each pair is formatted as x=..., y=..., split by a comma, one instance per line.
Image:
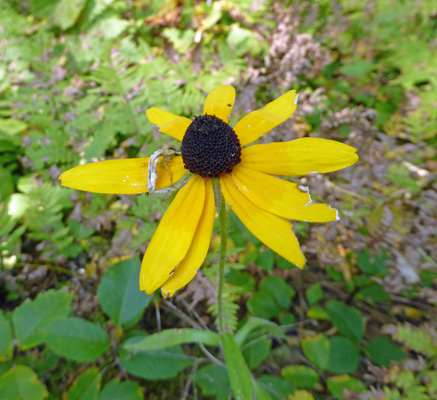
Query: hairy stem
x=223, y=219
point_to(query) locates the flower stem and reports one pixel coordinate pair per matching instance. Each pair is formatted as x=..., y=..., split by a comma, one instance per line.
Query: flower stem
x=223, y=219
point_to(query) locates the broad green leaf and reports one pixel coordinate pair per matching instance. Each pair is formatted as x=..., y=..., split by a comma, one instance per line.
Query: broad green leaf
x=214, y=381
x=21, y=383
x=262, y=304
x=42, y=8
x=277, y=387
x=7, y=186
x=171, y=337
x=337, y=384
x=67, y=12
x=239, y=374
x=126, y=390
x=316, y=349
x=374, y=267
x=301, y=376
x=266, y=259
x=32, y=316
x=242, y=41
x=287, y=318
x=87, y=386
x=261, y=393
x=119, y=292
x=373, y=292
x=358, y=69
x=344, y=356
x=347, y=319
x=256, y=350
x=382, y=351
x=156, y=364
x=6, y=344
x=12, y=126
x=317, y=312
x=301, y=395
x=314, y=294
x=254, y=323
x=280, y=290
x=76, y=339
x=18, y=204
x=243, y=280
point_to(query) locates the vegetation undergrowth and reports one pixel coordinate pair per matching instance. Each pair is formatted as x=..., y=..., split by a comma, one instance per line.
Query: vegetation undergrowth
x=358, y=323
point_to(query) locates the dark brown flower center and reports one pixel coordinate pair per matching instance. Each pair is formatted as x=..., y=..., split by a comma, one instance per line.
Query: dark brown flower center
x=210, y=147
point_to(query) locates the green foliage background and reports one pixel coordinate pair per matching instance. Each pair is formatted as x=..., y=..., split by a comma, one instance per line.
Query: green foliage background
x=76, y=77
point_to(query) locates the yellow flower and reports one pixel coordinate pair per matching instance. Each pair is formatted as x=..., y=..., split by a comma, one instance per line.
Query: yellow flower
x=212, y=149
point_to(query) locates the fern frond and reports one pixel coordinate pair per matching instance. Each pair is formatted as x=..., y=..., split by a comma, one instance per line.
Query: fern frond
x=417, y=339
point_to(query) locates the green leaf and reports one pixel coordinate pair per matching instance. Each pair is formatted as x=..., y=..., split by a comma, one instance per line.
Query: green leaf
x=287, y=318
x=347, y=319
x=261, y=393
x=373, y=293
x=253, y=323
x=7, y=186
x=301, y=376
x=262, y=304
x=239, y=375
x=316, y=349
x=21, y=383
x=301, y=395
x=32, y=316
x=314, y=294
x=242, y=41
x=243, y=280
x=12, y=126
x=337, y=384
x=119, y=293
x=358, y=69
x=344, y=357
x=374, y=267
x=280, y=290
x=382, y=351
x=42, y=8
x=278, y=388
x=126, y=390
x=317, y=312
x=67, y=12
x=78, y=230
x=266, y=259
x=6, y=344
x=76, y=339
x=214, y=381
x=156, y=364
x=87, y=386
x=171, y=337
x=257, y=350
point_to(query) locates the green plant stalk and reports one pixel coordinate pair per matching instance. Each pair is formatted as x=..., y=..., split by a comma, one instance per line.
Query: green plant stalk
x=223, y=219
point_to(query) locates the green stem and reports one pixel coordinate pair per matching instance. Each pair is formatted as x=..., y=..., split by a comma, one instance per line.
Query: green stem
x=223, y=219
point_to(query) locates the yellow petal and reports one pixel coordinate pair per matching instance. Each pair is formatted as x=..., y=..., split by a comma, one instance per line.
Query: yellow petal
x=174, y=235
x=280, y=197
x=299, y=157
x=275, y=232
x=220, y=102
x=258, y=122
x=170, y=124
x=187, y=268
x=127, y=176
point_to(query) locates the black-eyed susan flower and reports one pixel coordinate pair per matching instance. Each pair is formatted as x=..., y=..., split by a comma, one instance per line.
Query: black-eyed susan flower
x=211, y=148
